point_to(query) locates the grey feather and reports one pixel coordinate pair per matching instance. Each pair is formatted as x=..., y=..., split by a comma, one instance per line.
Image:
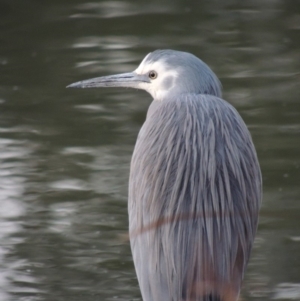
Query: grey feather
x=194, y=162
x=195, y=76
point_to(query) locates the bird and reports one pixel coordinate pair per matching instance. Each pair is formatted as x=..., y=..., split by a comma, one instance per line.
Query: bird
x=195, y=184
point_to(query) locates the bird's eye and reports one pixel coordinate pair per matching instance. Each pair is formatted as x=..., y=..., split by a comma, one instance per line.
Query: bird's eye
x=152, y=75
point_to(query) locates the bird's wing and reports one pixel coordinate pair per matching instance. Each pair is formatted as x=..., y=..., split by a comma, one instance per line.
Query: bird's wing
x=194, y=197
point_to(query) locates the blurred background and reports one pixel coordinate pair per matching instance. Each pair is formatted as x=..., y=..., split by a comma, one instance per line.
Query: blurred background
x=65, y=154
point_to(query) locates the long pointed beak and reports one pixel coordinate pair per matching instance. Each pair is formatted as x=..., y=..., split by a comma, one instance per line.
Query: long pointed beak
x=130, y=80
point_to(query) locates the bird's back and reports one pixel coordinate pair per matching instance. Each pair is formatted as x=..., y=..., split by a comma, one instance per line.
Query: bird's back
x=194, y=196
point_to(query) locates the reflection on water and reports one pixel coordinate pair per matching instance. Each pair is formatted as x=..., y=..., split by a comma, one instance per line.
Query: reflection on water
x=287, y=291
x=12, y=186
x=65, y=154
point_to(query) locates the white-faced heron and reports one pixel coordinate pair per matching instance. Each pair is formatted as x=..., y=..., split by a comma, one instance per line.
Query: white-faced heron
x=195, y=183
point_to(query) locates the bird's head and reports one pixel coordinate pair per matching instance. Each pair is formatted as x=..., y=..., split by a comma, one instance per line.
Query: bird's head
x=163, y=73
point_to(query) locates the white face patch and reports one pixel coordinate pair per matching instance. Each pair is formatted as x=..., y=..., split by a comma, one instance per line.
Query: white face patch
x=164, y=82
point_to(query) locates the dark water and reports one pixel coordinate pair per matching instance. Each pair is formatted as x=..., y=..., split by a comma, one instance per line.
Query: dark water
x=64, y=154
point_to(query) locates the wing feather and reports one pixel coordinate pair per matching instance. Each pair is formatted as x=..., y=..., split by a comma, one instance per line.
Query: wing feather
x=194, y=196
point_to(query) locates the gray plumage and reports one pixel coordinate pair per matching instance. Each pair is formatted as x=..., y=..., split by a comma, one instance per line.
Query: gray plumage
x=195, y=183
x=191, y=69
